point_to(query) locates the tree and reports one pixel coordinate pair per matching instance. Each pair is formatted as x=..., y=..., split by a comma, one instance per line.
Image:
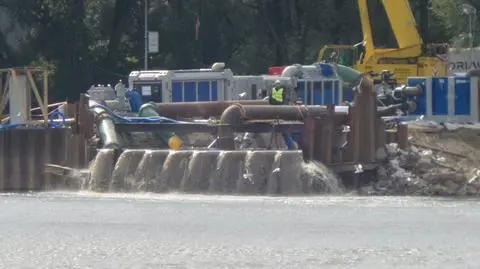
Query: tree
x=100, y=41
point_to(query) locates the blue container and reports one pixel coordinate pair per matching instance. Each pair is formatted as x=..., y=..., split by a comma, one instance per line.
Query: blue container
x=193, y=91
x=421, y=100
x=317, y=93
x=440, y=96
x=328, y=93
x=177, y=91
x=305, y=91
x=204, y=91
x=463, y=96
x=320, y=92
x=447, y=98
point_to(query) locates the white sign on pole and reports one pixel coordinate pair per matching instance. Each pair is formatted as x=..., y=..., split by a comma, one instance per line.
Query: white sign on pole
x=152, y=42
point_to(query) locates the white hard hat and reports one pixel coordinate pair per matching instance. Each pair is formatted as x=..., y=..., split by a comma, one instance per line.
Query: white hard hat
x=277, y=82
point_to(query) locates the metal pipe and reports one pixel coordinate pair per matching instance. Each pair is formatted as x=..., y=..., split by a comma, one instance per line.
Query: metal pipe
x=403, y=91
x=236, y=114
x=347, y=74
x=200, y=109
x=285, y=112
x=106, y=128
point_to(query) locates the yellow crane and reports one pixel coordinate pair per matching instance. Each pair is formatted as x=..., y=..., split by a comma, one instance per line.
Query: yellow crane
x=411, y=58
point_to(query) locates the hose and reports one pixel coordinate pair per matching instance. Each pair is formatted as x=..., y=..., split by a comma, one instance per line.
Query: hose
x=52, y=116
x=8, y=126
x=108, y=130
x=119, y=118
x=135, y=100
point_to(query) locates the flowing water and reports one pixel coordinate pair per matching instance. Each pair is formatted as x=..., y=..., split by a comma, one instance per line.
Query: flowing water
x=145, y=229
x=130, y=231
x=268, y=172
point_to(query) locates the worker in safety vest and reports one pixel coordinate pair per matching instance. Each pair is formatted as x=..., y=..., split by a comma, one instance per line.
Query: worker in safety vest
x=278, y=94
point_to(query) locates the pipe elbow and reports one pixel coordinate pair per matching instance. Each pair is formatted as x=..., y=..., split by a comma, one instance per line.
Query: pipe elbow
x=233, y=115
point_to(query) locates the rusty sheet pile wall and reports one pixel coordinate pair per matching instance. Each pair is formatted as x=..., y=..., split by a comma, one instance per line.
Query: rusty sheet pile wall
x=24, y=153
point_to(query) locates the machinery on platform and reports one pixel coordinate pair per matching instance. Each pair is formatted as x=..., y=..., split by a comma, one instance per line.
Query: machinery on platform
x=114, y=98
x=194, y=85
x=444, y=99
x=247, y=87
x=193, y=146
x=315, y=84
x=338, y=136
x=390, y=93
x=411, y=58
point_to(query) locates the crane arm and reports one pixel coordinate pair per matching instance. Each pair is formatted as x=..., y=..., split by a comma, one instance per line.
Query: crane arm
x=404, y=28
x=403, y=24
x=366, y=28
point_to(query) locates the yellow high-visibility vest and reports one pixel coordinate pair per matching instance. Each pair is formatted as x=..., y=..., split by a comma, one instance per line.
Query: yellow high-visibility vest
x=277, y=94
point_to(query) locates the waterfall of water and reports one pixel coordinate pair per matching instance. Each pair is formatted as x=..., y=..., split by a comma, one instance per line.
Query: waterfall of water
x=210, y=171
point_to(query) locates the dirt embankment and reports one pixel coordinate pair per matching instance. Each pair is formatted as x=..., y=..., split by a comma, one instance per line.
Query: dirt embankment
x=438, y=162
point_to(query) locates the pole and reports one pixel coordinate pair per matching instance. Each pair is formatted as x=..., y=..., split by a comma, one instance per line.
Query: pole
x=145, y=15
x=470, y=20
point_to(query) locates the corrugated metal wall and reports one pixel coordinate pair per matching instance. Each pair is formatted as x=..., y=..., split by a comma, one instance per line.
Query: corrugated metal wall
x=24, y=153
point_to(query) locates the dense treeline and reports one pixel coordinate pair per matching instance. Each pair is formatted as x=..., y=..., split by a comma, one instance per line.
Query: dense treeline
x=88, y=41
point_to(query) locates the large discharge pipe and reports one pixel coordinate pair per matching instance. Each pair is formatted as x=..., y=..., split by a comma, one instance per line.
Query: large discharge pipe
x=200, y=109
x=282, y=112
x=106, y=127
x=237, y=114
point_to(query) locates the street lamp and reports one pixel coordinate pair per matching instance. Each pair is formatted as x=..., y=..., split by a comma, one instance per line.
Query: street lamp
x=145, y=15
x=471, y=12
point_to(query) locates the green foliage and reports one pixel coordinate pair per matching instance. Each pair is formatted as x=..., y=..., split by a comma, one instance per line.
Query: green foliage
x=99, y=41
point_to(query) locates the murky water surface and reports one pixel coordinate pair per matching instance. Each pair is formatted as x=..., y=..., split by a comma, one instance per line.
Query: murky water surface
x=85, y=230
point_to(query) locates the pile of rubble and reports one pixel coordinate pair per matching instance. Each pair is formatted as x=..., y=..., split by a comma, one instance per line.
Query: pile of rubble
x=425, y=173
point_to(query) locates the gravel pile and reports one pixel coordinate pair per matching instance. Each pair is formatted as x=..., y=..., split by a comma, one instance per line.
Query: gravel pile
x=422, y=173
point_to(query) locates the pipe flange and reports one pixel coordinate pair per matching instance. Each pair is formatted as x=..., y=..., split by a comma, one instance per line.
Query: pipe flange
x=397, y=94
x=102, y=115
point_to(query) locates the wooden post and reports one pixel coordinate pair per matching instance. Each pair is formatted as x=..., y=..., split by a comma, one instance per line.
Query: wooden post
x=45, y=94
x=36, y=92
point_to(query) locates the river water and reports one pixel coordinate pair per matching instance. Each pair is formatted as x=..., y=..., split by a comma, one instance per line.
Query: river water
x=86, y=230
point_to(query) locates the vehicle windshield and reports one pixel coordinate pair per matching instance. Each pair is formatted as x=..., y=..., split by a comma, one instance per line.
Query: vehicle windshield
x=341, y=55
